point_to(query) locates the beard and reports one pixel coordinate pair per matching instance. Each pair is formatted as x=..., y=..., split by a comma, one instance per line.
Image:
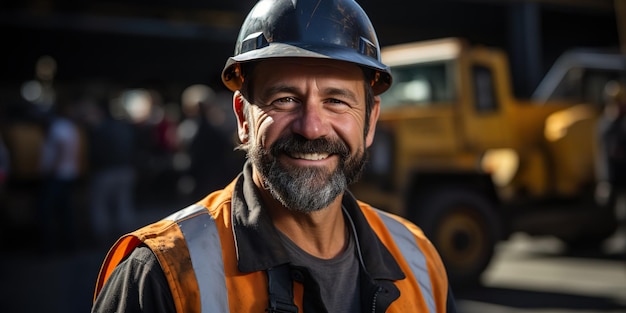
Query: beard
x=306, y=189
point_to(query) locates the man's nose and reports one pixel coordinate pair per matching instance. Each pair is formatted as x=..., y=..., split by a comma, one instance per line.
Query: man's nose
x=311, y=123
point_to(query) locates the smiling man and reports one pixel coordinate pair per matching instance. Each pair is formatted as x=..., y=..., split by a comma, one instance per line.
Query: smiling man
x=286, y=235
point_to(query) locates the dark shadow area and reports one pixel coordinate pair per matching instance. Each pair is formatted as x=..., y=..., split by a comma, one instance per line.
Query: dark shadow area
x=529, y=299
x=32, y=280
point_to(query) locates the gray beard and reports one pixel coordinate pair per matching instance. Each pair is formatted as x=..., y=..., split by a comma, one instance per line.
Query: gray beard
x=305, y=189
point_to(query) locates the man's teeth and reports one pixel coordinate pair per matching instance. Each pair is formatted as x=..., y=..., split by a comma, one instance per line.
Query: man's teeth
x=310, y=156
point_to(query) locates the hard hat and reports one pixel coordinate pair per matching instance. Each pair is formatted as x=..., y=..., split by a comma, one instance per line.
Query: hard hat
x=328, y=29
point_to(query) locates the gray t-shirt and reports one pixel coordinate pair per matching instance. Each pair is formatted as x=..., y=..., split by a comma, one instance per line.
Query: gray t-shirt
x=338, y=277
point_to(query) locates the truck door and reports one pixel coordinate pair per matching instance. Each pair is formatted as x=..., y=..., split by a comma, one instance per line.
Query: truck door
x=485, y=123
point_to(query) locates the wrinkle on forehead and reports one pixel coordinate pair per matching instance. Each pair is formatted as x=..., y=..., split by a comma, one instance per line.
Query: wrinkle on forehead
x=324, y=73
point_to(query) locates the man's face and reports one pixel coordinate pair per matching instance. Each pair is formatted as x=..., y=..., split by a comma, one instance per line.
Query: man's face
x=305, y=129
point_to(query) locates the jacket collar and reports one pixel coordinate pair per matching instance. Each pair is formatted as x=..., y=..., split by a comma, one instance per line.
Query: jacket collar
x=259, y=246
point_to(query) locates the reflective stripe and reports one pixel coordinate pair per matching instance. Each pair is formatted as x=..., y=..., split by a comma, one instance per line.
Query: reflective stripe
x=200, y=232
x=405, y=240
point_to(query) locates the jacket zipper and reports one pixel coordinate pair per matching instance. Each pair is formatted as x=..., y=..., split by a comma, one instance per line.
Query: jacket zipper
x=374, y=298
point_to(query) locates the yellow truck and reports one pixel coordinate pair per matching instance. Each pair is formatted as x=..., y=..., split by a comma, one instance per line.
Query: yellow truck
x=459, y=155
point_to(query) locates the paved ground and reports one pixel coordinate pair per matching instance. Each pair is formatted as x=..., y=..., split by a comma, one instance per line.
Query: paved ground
x=540, y=275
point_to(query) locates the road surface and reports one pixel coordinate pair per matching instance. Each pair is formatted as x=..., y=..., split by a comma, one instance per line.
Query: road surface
x=540, y=275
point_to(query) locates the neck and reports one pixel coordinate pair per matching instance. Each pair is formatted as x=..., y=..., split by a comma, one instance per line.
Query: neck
x=321, y=234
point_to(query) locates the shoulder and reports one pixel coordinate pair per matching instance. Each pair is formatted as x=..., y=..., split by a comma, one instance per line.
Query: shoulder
x=397, y=231
x=137, y=284
x=402, y=237
x=141, y=259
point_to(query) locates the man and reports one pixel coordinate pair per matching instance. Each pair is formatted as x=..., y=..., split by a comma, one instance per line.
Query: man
x=60, y=167
x=110, y=150
x=305, y=76
x=611, y=164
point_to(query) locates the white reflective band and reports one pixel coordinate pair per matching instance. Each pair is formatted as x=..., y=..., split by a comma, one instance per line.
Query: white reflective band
x=205, y=250
x=413, y=255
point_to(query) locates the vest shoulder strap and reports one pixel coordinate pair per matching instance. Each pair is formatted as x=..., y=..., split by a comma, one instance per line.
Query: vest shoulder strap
x=280, y=290
x=405, y=240
x=204, y=246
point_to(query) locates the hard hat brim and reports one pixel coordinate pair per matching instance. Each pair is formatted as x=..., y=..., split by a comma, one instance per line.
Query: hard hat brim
x=232, y=79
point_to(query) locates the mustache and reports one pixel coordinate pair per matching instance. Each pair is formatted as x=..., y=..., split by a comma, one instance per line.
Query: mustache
x=296, y=143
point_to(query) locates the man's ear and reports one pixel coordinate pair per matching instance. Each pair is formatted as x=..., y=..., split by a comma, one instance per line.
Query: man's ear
x=372, y=122
x=242, y=123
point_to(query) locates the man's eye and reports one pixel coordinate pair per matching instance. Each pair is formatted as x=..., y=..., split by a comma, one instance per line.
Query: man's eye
x=285, y=102
x=337, y=105
x=335, y=101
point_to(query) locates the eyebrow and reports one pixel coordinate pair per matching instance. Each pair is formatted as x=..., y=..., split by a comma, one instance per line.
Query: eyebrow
x=340, y=92
x=278, y=89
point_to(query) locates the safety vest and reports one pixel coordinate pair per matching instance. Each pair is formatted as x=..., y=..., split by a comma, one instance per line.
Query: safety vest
x=198, y=253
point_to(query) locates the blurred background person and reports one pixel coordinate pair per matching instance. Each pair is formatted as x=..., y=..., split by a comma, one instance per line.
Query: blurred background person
x=110, y=153
x=205, y=153
x=154, y=146
x=612, y=144
x=60, y=169
x=611, y=187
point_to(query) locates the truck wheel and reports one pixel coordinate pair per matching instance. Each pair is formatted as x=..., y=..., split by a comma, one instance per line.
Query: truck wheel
x=463, y=227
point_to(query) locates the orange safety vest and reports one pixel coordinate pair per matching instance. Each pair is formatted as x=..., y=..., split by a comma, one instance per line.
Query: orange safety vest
x=199, y=255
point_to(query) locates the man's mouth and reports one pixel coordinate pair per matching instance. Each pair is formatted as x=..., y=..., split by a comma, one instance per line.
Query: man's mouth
x=309, y=156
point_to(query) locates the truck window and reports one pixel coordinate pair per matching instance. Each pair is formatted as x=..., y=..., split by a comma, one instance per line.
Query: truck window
x=484, y=94
x=585, y=85
x=423, y=85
